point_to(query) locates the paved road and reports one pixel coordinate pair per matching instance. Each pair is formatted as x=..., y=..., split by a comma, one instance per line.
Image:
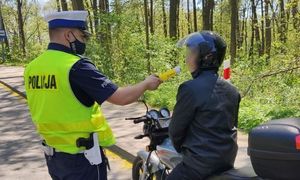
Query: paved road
x=15, y=124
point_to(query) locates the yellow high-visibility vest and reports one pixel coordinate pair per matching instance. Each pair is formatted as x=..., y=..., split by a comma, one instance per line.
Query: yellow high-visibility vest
x=57, y=114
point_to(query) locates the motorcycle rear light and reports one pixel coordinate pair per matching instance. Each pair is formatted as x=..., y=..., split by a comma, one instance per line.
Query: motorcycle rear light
x=298, y=142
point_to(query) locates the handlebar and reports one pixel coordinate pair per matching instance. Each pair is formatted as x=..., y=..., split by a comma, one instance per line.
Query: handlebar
x=134, y=118
x=142, y=119
x=137, y=119
x=141, y=136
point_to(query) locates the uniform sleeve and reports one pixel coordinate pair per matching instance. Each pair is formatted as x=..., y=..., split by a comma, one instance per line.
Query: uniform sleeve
x=89, y=79
x=183, y=114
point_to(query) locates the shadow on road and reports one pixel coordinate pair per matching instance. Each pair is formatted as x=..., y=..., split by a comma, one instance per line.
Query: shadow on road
x=19, y=151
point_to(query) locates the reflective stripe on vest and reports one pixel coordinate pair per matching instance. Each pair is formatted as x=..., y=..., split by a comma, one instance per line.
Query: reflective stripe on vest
x=58, y=115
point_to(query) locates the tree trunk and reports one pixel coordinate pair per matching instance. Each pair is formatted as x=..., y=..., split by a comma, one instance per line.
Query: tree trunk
x=147, y=36
x=207, y=14
x=274, y=20
x=177, y=17
x=188, y=16
x=64, y=5
x=262, y=49
x=77, y=5
x=164, y=18
x=238, y=28
x=246, y=29
x=118, y=7
x=255, y=29
x=243, y=21
x=173, y=27
x=38, y=26
x=90, y=21
x=283, y=24
x=151, y=22
x=221, y=17
x=211, y=14
x=195, y=15
x=296, y=15
x=58, y=6
x=96, y=15
x=268, y=33
x=21, y=27
x=288, y=14
x=255, y=22
x=234, y=26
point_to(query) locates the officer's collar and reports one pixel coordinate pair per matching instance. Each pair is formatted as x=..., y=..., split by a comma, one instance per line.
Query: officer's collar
x=59, y=47
x=198, y=72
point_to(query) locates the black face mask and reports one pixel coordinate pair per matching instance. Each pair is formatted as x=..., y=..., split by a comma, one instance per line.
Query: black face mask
x=77, y=46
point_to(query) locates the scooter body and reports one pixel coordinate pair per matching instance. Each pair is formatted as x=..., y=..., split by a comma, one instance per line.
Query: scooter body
x=164, y=157
x=167, y=158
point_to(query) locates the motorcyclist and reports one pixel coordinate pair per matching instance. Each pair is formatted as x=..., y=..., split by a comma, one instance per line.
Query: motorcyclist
x=203, y=126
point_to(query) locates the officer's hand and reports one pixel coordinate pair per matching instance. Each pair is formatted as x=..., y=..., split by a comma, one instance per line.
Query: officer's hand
x=152, y=82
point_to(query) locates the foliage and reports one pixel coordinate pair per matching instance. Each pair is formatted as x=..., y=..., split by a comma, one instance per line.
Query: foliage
x=123, y=57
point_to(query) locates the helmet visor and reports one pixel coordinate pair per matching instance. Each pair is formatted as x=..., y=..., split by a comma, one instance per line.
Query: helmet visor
x=192, y=40
x=181, y=42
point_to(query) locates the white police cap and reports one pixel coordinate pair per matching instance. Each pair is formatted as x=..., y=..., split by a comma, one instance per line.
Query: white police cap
x=67, y=19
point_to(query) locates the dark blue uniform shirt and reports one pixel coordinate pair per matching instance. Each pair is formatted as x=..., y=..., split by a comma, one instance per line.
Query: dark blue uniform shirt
x=87, y=82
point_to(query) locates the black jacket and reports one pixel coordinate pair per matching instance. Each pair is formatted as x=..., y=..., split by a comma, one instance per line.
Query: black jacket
x=204, y=121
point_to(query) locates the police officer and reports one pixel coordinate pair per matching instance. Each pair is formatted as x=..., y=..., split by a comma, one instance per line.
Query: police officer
x=203, y=126
x=65, y=92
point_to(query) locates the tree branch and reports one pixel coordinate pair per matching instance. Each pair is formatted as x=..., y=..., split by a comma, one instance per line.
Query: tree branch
x=267, y=75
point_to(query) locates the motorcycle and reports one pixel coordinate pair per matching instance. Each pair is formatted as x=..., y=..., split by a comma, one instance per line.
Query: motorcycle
x=160, y=157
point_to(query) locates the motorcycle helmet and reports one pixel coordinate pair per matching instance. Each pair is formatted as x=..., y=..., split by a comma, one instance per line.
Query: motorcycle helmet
x=210, y=46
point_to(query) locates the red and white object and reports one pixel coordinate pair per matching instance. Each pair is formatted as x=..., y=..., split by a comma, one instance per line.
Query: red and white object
x=298, y=142
x=226, y=73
